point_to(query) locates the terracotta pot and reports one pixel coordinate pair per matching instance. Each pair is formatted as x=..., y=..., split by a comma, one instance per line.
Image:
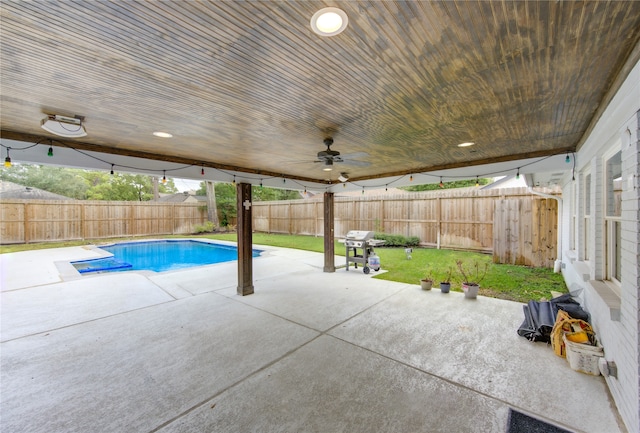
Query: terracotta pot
x=470, y=290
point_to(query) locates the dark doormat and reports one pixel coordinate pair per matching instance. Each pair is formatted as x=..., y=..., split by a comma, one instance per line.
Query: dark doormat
x=521, y=423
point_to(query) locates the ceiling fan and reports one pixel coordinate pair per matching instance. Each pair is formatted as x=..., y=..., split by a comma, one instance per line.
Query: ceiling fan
x=328, y=157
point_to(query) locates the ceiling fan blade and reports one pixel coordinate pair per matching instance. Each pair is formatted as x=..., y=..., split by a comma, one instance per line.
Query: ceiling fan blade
x=355, y=162
x=356, y=155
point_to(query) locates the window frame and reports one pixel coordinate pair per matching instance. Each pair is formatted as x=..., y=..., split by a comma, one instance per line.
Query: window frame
x=586, y=214
x=612, y=224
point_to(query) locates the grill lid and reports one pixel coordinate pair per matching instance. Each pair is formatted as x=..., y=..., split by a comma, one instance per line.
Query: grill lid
x=359, y=235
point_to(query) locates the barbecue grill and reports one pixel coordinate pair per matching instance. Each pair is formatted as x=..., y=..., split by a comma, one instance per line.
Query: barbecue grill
x=362, y=240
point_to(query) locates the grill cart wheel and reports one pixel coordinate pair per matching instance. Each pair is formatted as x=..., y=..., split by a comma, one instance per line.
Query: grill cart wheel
x=366, y=269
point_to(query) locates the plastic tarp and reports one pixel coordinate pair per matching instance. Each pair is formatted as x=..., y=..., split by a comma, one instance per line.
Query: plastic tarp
x=540, y=316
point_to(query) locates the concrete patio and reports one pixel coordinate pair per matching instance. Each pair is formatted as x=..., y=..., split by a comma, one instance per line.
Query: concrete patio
x=307, y=352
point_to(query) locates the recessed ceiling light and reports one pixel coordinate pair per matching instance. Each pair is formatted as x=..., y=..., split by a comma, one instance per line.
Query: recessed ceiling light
x=467, y=144
x=329, y=21
x=162, y=134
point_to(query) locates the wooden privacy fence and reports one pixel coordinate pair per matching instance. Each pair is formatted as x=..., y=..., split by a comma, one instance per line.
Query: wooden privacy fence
x=513, y=224
x=23, y=221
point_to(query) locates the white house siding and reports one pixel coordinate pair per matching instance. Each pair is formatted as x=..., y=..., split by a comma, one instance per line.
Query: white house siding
x=615, y=318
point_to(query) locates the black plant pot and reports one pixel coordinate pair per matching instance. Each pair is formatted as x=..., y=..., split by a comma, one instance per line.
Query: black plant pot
x=444, y=287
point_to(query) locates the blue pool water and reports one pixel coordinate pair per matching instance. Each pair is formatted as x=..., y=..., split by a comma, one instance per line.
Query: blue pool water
x=159, y=256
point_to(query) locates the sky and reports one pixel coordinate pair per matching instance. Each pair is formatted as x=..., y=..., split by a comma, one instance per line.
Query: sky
x=186, y=184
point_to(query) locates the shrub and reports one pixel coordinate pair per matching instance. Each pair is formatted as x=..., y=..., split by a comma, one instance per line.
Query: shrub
x=397, y=240
x=207, y=227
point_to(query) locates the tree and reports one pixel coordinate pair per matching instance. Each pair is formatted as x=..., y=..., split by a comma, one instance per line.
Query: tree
x=447, y=185
x=226, y=202
x=59, y=180
x=225, y=198
x=263, y=193
x=212, y=208
x=120, y=187
x=85, y=184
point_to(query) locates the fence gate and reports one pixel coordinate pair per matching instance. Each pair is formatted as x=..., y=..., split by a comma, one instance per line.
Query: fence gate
x=525, y=231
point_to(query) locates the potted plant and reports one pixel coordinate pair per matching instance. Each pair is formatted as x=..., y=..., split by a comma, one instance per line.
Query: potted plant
x=472, y=275
x=445, y=284
x=427, y=281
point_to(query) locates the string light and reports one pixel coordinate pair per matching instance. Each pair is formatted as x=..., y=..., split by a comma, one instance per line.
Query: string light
x=344, y=185
x=363, y=190
x=8, y=164
x=164, y=176
x=7, y=160
x=386, y=188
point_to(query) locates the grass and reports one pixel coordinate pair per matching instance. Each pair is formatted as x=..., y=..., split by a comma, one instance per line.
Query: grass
x=307, y=243
x=516, y=283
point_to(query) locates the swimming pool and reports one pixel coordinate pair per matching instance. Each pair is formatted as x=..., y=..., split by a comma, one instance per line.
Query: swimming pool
x=159, y=256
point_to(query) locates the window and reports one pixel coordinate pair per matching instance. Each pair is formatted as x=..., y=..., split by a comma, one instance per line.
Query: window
x=574, y=219
x=587, y=216
x=613, y=200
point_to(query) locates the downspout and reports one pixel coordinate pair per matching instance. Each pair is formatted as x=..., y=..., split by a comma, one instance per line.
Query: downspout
x=558, y=263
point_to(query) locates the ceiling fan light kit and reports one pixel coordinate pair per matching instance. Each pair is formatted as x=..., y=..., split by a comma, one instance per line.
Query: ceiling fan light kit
x=343, y=177
x=64, y=126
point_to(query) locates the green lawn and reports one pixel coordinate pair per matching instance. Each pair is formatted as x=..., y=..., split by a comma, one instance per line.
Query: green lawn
x=517, y=283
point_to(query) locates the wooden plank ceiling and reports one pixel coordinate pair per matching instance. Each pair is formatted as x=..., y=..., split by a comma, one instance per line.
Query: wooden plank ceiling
x=249, y=86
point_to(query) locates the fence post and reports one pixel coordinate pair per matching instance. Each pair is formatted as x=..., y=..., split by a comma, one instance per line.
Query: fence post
x=409, y=209
x=173, y=218
x=26, y=223
x=438, y=220
x=83, y=222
